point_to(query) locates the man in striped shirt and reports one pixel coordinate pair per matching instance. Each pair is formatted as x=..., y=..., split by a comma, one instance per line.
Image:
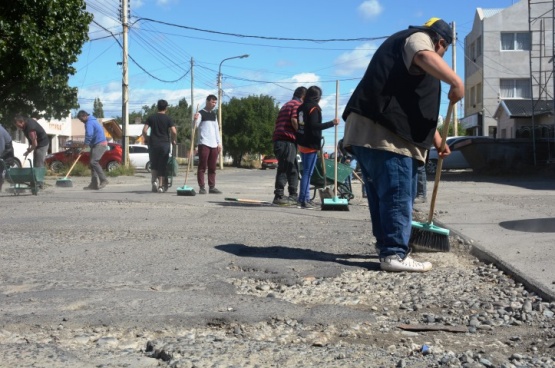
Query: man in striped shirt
x=285, y=150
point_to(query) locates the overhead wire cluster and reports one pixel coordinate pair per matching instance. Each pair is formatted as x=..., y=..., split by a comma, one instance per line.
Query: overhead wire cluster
x=171, y=57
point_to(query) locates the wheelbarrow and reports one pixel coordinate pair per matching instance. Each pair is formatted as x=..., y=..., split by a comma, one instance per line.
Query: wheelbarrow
x=324, y=176
x=25, y=178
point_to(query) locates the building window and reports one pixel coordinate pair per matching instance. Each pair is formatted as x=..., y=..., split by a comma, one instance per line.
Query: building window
x=515, y=88
x=473, y=96
x=479, y=46
x=479, y=93
x=519, y=41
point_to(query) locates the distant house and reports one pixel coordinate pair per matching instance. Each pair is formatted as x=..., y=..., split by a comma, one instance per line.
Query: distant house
x=508, y=64
x=514, y=118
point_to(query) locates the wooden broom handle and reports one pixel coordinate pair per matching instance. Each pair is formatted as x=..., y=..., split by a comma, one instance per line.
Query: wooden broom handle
x=74, y=163
x=335, y=140
x=444, y=132
x=189, y=166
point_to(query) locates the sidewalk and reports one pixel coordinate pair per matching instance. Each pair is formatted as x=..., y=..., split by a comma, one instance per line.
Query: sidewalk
x=510, y=221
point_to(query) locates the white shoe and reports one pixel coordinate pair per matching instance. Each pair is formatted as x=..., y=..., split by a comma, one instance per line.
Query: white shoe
x=155, y=186
x=395, y=263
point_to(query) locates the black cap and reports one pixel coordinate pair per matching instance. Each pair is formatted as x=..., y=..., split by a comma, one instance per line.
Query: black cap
x=440, y=27
x=82, y=113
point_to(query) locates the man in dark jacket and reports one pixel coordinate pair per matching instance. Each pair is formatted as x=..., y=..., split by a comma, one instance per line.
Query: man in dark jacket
x=391, y=121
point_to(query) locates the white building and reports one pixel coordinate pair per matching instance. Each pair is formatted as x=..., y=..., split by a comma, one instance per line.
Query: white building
x=506, y=51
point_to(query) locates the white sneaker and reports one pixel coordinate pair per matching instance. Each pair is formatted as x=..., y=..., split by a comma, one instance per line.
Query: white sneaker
x=155, y=186
x=395, y=263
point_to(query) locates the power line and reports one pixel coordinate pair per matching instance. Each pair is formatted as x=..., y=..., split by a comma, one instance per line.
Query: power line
x=263, y=37
x=140, y=67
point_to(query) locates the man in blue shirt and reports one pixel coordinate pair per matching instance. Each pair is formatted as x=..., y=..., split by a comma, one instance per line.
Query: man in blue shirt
x=96, y=140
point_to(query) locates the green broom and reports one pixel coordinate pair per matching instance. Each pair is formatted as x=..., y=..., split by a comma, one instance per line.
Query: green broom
x=335, y=203
x=66, y=182
x=186, y=190
x=426, y=235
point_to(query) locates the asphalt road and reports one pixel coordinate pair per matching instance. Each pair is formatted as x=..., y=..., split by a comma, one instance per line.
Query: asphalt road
x=126, y=256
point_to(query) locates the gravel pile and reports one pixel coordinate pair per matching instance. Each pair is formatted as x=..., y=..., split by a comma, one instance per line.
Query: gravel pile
x=505, y=325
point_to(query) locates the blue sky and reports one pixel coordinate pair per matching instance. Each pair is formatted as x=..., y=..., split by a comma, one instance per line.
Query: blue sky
x=211, y=32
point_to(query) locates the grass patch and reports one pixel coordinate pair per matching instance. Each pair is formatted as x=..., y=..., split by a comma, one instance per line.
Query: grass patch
x=78, y=170
x=121, y=171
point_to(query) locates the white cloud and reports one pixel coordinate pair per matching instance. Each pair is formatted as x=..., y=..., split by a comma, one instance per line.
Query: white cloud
x=165, y=3
x=370, y=9
x=105, y=14
x=354, y=61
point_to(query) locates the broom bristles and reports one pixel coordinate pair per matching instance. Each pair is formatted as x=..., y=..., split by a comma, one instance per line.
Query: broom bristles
x=186, y=191
x=335, y=204
x=427, y=236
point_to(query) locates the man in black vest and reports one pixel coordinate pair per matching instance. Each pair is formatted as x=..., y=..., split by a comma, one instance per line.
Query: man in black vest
x=391, y=121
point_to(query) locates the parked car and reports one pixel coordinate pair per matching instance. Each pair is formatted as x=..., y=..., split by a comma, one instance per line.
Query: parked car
x=109, y=161
x=455, y=161
x=269, y=162
x=138, y=156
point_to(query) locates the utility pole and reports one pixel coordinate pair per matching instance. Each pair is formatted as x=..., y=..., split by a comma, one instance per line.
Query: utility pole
x=454, y=56
x=125, y=86
x=192, y=109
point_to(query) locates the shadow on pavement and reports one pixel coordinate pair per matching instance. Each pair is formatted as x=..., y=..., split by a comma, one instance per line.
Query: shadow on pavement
x=540, y=225
x=532, y=181
x=281, y=252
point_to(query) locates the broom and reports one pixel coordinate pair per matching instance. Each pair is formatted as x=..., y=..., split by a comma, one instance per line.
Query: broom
x=65, y=182
x=335, y=203
x=186, y=190
x=425, y=234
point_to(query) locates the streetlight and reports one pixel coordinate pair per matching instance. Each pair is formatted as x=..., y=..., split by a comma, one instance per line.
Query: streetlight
x=220, y=105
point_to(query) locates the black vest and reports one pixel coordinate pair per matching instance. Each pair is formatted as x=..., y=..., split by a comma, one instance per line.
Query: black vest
x=406, y=104
x=207, y=115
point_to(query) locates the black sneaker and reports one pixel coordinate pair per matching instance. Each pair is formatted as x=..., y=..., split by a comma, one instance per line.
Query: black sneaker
x=282, y=201
x=102, y=184
x=91, y=187
x=202, y=191
x=308, y=205
x=214, y=191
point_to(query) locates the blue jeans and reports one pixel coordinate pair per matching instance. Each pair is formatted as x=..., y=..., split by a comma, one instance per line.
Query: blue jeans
x=421, y=182
x=390, y=187
x=309, y=162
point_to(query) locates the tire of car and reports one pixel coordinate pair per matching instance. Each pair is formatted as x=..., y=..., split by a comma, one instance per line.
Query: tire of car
x=431, y=166
x=112, y=165
x=56, y=166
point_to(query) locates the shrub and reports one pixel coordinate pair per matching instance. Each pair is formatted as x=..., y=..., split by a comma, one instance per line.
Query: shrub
x=121, y=171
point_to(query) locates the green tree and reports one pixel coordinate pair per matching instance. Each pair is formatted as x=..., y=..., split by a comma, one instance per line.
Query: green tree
x=98, y=111
x=39, y=41
x=248, y=125
x=181, y=115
